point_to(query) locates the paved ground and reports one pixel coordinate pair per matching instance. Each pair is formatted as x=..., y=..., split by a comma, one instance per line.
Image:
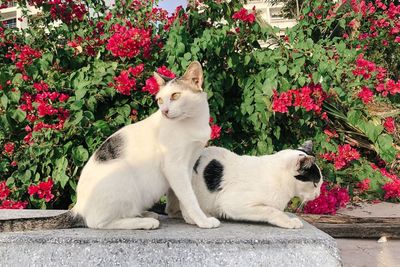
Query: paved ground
x=174, y=244
x=368, y=252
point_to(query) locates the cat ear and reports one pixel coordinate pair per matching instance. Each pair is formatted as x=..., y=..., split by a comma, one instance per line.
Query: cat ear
x=194, y=75
x=307, y=146
x=159, y=79
x=305, y=162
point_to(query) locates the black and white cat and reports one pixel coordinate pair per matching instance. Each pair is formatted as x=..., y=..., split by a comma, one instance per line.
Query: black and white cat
x=253, y=188
x=136, y=165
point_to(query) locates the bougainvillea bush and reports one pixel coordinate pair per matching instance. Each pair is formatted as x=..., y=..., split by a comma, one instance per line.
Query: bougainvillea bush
x=83, y=69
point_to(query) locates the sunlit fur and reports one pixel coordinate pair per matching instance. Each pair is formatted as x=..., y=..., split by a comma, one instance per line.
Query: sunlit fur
x=157, y=153
x=252, y=188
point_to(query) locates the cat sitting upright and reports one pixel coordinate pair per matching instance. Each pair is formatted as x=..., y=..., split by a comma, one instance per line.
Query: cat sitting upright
x=253, y=188
x=136, y=165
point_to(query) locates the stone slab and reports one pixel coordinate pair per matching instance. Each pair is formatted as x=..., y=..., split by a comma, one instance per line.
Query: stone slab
x=173, y=244
x=369, y=252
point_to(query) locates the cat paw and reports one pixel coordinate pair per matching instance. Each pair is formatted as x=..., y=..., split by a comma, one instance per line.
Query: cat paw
x=294, y=223
x=150, y=224
x=210, y=222
x=289, y=223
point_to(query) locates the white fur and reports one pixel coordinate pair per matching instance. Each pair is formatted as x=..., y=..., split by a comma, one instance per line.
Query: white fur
x=158, y=153
x=253, y=188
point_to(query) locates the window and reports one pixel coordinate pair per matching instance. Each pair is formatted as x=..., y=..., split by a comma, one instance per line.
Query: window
x=10, y=23
x=8, y=3
x=276, y=13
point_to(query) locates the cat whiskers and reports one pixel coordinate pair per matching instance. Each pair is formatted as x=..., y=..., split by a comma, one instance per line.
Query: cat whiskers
x=300, y=207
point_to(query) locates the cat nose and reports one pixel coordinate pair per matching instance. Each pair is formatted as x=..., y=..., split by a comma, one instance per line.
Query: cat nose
x=165, y=111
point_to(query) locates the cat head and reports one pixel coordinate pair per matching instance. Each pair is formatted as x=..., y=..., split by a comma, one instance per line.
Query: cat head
x=181, y=97
x=308, y=176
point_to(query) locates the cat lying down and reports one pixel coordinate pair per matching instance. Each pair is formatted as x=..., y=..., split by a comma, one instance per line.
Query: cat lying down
x=250, y=188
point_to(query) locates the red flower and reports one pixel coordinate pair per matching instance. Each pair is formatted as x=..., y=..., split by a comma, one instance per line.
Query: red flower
x=4, y=190
x=9, y=148
x=364, y=184
x=136, y=71
x=43, y=190
x=41, y=86
x=281, y=102
x=392, y=189
x=328, y=201
x=215, y=129
x=177, y=14
x=389, y=125
x=151, y=86
x=366, y=95
x=341, y=159
x=11, y=204
x=244, y=16
x=309, y=97
x=108, y=16
x=124, y=84
x=129, y=42
x=67, y=10
x=166, y=72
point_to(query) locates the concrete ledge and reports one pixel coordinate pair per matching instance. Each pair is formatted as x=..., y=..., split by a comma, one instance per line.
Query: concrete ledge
x=174, y=244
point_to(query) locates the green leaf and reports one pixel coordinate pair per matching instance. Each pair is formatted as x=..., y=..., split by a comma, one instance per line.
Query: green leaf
x=4, y=101
x=59, y=174
x=282, y=69
x=19, y=115
x=80, y=155
x=301, y=81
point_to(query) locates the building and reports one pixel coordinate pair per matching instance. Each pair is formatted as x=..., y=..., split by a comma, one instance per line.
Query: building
x=11, y=15
x=271, y=14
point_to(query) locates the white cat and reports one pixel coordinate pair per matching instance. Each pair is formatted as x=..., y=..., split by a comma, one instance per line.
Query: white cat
x=136, y=165
x=253, y=188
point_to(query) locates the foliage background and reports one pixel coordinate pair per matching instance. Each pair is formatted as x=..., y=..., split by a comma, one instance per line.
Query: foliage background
x=69, y=81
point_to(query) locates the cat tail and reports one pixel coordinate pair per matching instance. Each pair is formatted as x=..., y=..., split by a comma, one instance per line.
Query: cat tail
x=62, y=221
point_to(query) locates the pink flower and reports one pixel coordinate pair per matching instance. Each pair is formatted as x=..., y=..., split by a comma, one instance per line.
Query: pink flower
x=366, y=95
x=364, y=184
x=151, y=86
x=389, y=125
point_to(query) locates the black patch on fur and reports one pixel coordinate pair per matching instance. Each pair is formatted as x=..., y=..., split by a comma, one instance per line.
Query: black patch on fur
x=302, y=150
x=311, y=174
x=196, y=165
x=110, y=149
x=213, y=173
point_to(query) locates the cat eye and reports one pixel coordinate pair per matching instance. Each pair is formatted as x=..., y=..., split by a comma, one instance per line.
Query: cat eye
x=175, y=96
x=160, y=101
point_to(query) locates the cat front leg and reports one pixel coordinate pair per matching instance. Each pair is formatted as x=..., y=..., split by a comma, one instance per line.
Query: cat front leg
x=263, y=213
x=180, y=182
